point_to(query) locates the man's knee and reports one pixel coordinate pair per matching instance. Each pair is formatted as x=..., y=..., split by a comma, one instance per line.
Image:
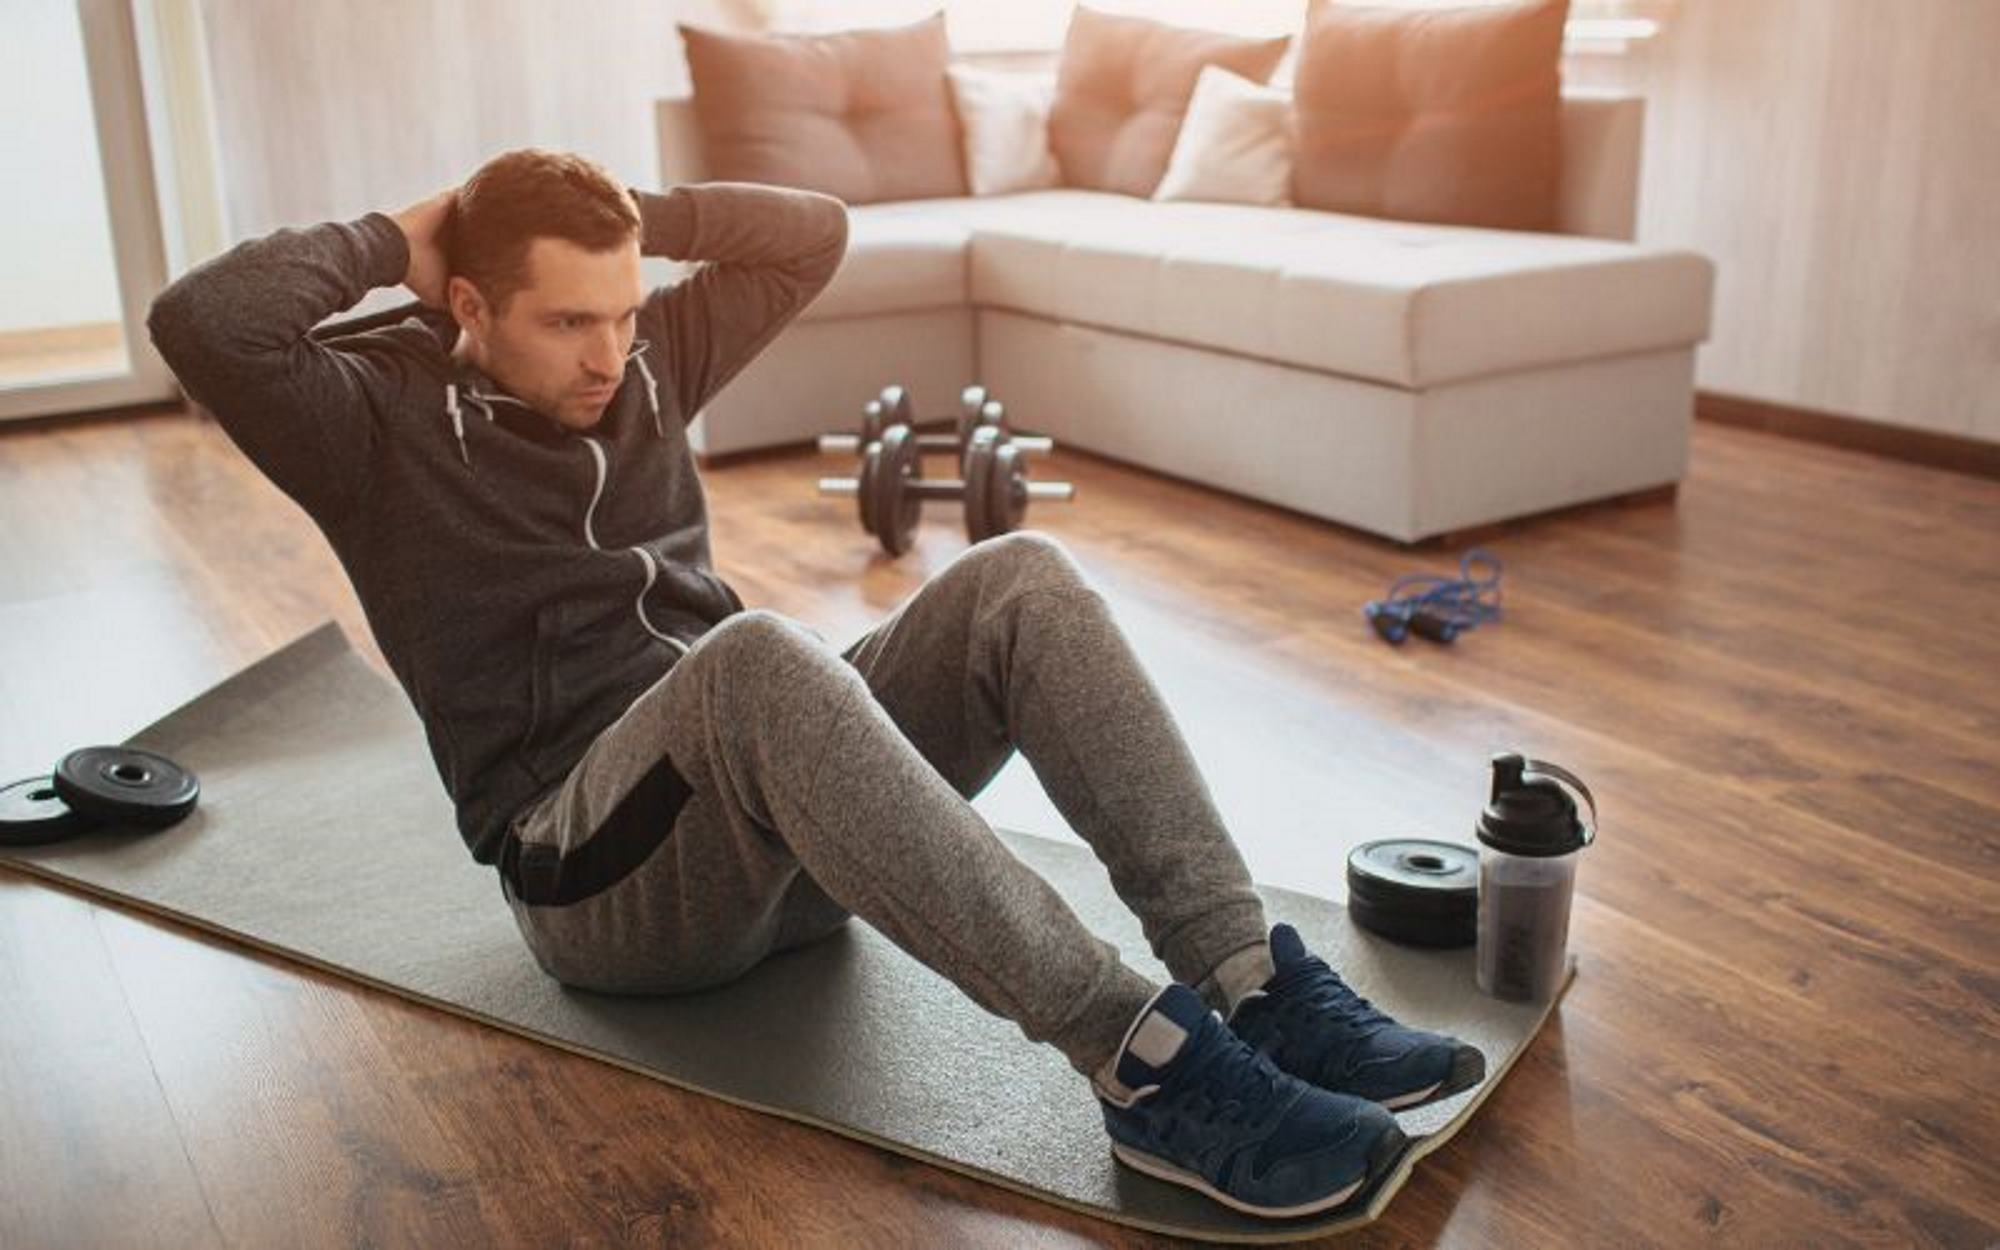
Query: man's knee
x=1032, y=559
x=759, y=632
x=785, y=657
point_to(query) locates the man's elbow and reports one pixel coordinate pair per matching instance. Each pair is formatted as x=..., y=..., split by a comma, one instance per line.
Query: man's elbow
x=824, y=260
x=171, y=323
x=836, y=214
x=191, y=330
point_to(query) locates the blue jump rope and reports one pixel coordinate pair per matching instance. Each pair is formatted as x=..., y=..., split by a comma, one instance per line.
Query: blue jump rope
x=1439, y=608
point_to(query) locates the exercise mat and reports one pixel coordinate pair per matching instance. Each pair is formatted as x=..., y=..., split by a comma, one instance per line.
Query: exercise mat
x=324, y=836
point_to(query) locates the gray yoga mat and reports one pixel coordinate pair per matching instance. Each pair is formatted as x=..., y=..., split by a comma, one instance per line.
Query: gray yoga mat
x=324, y=836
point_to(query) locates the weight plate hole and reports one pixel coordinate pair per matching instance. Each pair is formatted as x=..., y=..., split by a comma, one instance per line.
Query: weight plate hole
x=130, y=774
x=1426, y=863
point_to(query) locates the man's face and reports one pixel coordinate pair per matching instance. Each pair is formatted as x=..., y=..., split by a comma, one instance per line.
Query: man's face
x=561, y=342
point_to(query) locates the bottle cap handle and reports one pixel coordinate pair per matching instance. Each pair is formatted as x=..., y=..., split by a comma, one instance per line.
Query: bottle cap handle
x=1539, y=769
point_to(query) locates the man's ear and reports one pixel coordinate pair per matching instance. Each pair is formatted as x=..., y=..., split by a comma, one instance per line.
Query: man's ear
x=468, y=306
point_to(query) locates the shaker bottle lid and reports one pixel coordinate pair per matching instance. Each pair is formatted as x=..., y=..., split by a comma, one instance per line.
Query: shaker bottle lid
x=1530, y=813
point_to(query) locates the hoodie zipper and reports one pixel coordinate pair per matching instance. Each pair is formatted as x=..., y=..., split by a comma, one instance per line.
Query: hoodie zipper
x=603, y=462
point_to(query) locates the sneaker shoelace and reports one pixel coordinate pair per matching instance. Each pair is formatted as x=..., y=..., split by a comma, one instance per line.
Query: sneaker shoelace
x=1222, y=1086
x=1312, y=990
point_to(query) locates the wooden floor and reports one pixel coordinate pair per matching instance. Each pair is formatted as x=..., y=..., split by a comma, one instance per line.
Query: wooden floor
x=59, y=353
x=1784, y=686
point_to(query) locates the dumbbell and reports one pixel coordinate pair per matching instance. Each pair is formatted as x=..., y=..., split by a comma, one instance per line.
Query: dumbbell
x=891, y=489
x=976, y=407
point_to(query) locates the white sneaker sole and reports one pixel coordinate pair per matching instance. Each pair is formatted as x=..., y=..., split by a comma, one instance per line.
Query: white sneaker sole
x=1168, y=1172
x=1468, y=1069
x=1414, y=1096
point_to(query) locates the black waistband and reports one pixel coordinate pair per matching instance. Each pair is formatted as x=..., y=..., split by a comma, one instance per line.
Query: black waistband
x=540, y=875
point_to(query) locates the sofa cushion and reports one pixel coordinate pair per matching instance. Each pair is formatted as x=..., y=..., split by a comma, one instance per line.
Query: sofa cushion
x=1235, y=145
x=1005, y=120
x=864, y=115
x=900, y=257
x=1408, y=304
x=1121, y=87
x=1448, y=115
x=911, y=255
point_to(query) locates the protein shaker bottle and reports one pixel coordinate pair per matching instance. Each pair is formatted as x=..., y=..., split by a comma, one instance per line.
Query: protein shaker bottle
x=1529, y=835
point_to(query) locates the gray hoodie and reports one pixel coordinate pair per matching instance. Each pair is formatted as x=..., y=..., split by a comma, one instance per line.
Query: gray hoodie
x=526, y=582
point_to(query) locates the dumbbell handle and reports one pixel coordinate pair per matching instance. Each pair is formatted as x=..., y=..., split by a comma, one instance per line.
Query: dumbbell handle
x=946, y=488
x=925, y=489
x=850, y=444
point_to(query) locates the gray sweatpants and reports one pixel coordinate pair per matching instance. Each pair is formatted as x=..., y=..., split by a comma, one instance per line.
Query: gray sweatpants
x=787, y=787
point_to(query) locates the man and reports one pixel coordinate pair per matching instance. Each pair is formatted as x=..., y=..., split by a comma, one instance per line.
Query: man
x=673, y=787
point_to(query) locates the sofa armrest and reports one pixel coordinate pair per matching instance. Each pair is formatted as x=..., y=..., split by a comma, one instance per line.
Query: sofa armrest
x=679, y=140
x=1601, y=138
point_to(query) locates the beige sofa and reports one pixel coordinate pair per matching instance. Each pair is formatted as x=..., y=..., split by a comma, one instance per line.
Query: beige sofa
x=1406, y=379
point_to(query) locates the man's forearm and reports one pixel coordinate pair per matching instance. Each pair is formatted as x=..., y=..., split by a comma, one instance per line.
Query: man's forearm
x=225, y=319
x=744, y=223
x=234, y=331
x=766, y=252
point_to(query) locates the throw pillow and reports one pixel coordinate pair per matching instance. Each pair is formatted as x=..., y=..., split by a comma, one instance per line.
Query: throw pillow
x=1121, y=87
x=1005, y=119
x=1235, y=144
x=864, y=115
x=1449, y=115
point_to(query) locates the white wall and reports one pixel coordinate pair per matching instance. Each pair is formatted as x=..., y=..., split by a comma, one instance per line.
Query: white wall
x=55, y=241
x=325, y=110
x=1836, y=158
x=1840, y=161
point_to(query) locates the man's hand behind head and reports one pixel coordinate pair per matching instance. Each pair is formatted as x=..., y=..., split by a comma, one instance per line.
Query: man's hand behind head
x=426, y=224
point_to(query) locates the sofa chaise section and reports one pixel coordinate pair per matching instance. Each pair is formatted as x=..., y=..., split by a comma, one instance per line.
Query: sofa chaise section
x=1406, y=378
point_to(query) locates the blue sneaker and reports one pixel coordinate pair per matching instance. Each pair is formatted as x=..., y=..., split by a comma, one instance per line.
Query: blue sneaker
x=1195, y=1106
x=1311, y=1025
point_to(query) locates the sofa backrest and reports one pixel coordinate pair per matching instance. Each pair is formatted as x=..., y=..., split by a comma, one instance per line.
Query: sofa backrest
x=1602, y=132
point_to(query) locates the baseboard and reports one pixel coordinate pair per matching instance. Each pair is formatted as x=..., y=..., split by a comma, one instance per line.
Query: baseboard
x=93, y=416
x=1977, y=457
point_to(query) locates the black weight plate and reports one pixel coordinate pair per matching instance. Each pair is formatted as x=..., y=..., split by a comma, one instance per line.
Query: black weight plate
x=864, y=493
x=896, y=508
x=1010, y=488
x=966, y=454
x=897, y=407
x=976, y=470
x=1411, y=929
x=1418, y=865
x=31, y=812
x=872, y=421
x=1415, y=890
x=121, y=785
x=970, y=401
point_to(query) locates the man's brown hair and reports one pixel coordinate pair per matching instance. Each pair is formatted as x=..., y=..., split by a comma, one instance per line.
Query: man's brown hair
x=526, y=194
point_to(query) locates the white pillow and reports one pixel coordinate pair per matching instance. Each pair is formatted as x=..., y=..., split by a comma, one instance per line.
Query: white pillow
x=1005, y=120
x=1235, y=144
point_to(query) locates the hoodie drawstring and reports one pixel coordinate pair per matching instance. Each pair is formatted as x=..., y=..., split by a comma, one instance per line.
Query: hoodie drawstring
x=484, y=402
x=637, y=356
x=479, y=400
x=451, y=410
